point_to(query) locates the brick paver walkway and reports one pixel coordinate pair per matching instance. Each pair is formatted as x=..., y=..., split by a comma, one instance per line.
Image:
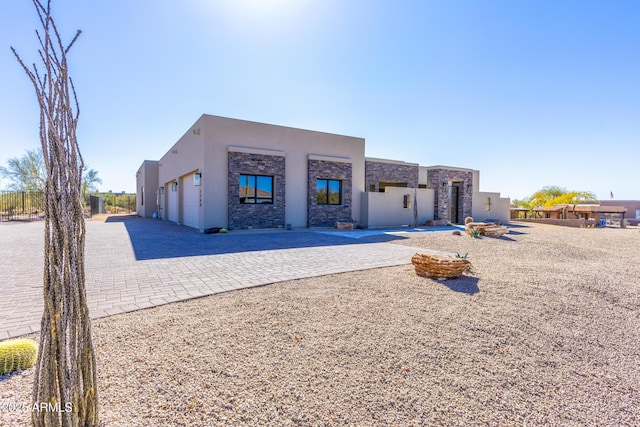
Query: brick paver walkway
x=133, y=264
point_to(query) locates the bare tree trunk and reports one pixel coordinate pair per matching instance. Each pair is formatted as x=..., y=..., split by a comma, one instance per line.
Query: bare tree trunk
x=65, y=386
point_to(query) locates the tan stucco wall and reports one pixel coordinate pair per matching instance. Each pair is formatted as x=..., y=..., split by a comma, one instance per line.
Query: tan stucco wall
x=422, y=175
x=387, y=209
x=204, y=148
x=500, y=207
x=147, y=177
x=185, y=157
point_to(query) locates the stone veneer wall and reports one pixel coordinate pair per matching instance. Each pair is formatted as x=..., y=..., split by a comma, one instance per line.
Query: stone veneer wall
x=327, y=215
x=256, y=215
x=435, y=178
x=375, y=172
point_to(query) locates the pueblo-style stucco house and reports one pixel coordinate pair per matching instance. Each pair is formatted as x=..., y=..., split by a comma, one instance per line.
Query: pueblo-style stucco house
x=239, y=174
x=632, y=209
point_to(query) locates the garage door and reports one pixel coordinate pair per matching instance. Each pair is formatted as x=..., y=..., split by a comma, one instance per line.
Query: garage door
x=171, y=191
x=190, y=202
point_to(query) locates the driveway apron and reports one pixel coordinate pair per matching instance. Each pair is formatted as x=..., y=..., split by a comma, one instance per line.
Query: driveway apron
x=134, y=263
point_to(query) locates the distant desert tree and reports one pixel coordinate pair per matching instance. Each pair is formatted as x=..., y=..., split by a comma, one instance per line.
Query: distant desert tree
x=65, y=374
x=90, y=181
x=554, y=195
x=29, y=174
x=26, y=173
x=574, y=198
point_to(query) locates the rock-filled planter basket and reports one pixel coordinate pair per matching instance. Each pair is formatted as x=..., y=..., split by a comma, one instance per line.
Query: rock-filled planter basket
x=439, y=266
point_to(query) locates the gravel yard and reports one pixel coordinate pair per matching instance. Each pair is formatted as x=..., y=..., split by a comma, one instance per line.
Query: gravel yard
x=544, y=330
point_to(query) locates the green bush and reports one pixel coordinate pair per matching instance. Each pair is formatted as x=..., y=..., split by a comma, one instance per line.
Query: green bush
x=223, y=231
x=17, y=354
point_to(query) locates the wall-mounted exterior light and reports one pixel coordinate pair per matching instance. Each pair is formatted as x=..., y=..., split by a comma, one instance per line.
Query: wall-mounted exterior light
x=444, y=185
x=174, y=186
x=197, y=177
x=161, y=190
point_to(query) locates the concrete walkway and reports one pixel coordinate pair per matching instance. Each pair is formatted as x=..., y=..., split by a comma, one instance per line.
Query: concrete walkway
x=133, y=264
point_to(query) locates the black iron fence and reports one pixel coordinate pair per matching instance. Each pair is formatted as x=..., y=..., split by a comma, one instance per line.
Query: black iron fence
x=21, y=206
x=29, y=205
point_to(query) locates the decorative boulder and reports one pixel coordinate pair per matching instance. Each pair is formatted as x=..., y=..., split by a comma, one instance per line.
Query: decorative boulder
x=344, y=225
x=480, y=226
x=495, y=231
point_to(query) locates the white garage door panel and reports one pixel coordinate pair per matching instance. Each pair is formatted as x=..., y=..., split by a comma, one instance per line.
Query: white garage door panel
x=172, y=203
x=190, y=202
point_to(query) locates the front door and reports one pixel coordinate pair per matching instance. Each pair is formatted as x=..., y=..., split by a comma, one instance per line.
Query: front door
x=455, y=202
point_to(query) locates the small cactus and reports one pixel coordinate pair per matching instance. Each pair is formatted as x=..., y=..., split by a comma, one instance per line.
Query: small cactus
x=17, y=354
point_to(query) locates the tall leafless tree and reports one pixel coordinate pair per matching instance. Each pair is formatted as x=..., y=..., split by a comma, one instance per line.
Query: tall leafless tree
x=65, y=386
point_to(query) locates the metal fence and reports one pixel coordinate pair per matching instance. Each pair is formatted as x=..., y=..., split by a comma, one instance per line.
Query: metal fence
x=97, y=205
x=29, y=206
x=21, y=206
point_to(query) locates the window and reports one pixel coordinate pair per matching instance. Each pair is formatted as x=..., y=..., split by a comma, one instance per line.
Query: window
x=406, y=201
x=487, y=204
x=256, y=189
x=328, y=192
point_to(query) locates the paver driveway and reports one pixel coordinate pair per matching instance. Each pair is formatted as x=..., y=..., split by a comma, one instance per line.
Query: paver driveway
x=134, y=263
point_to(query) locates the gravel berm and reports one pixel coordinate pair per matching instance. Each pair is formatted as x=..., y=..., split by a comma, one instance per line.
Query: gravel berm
x=544, y=330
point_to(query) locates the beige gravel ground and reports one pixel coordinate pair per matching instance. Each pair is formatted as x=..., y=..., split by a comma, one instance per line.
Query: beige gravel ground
x=545, y=330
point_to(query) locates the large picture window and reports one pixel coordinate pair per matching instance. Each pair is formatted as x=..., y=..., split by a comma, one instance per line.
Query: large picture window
x=328, y=192
x=256, y=189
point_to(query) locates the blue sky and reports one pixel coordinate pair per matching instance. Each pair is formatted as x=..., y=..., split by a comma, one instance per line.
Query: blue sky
x=531, y=93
